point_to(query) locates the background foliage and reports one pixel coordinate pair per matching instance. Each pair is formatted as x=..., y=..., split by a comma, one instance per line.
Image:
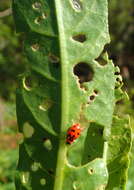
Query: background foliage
x=13, y=62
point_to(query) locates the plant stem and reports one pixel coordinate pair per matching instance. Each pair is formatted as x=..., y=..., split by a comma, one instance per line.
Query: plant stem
x=64, y=97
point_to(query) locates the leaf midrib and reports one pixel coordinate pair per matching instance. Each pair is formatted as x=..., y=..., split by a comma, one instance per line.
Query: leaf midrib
x=61, y=157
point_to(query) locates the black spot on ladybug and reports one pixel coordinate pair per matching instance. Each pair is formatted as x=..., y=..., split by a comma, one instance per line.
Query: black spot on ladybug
x=68, y=136
x=71, y=138
x=72, y=130
x=78, y=133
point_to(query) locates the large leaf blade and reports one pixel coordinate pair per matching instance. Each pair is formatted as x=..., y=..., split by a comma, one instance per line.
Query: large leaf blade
x=67, y=84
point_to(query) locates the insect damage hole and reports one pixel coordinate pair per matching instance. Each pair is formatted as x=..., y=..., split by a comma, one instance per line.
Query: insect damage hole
x=54, y=60
x=119, y=79
x=35, y=166
x=29, y=82
x=36, y=6
x=103, y=58
x=76, y=185
x=43, y=181
x=48, y=144
x=96, y=92
x=46, y=104
x=80, y=38
x=77, y=5
x=25, y=177
x=92, y=96
x=117, y=73
x=35, y=47
x=39, y=19
x=28, y=130
x=84, y=72
x=90, y=171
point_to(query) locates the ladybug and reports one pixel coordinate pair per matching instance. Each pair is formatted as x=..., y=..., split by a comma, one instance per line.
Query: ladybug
x=73, y=133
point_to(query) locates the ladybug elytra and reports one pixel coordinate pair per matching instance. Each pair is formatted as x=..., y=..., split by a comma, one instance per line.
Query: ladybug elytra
x=73, y=133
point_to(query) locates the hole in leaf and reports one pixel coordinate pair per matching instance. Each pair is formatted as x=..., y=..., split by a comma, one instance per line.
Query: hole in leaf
x=43, y=181
x=46, y=104
x=116, y=87
x=116, y=73
x=118, y=80
x=77, y=5
x=118, y=83
x=47, y=144
x=96, y=92
x=102, y=59
x=35, y=166
x=117, y=70
x=94, y=150
x=90, y=171
x=25, y=177
x=36, y=5
x=76, y=185
x=35, y=47
x=84, y=72
x=55, y=60
x=40, y=18
x=92, y=97
x=80, y=38
x=30, y=82
x=28, y=130
x=44, y=16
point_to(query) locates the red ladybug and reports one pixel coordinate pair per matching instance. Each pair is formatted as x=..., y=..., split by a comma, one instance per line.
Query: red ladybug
x=73, y=133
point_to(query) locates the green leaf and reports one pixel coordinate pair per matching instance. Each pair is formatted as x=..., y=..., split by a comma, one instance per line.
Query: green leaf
x=33, y=15
x=67, y=83
x=130, y=182
x=31, y=175
x=117, y=157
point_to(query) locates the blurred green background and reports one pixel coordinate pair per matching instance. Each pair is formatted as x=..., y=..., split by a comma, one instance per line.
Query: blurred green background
x=13, y=62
